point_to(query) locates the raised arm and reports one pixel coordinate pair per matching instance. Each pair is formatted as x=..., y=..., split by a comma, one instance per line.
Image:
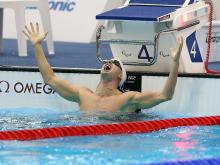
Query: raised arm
x=62, y=87
x=150, y=99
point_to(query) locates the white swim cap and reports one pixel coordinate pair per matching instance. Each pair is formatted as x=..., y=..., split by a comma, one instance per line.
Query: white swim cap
x=124, y=74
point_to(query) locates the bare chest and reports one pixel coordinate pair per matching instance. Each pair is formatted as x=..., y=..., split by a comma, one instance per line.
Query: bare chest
x=95, y=103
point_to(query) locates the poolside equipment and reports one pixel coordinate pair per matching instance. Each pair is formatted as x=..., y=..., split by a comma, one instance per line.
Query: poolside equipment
x=107, y=129
x=19, y=7
x=141, y=32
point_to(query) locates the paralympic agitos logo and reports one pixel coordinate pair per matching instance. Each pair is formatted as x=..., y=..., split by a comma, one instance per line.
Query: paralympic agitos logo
x=25, y=88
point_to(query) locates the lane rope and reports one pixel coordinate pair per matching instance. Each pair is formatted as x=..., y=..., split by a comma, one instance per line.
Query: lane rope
x=107, y=129
x=214, y=161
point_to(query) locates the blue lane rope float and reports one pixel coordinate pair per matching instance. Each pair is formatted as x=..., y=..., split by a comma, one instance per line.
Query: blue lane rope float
x=107, y=129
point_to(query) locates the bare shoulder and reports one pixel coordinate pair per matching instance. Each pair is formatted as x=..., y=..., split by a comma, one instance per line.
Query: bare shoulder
x=84, y=89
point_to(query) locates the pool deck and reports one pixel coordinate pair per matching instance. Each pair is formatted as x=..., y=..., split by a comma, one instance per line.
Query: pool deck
x=67, y=55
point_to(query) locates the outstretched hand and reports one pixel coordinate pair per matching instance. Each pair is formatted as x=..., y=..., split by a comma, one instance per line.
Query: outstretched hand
x=33, y=34
x=175, y=52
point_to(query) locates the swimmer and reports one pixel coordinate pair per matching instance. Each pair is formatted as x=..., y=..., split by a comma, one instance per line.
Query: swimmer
x=106, y=97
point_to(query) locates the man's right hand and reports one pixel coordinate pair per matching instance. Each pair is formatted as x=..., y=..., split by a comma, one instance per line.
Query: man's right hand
x=33, y=34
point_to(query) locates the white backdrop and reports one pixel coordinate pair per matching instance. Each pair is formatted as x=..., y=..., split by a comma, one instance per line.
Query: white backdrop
x=197, y=96
x=72, y=20
x=27, y=89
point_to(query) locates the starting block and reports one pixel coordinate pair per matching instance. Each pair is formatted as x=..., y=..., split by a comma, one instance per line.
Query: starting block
x=141, y=33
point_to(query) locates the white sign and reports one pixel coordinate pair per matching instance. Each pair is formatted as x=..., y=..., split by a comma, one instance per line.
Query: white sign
x=72, y=20
x=27, y=89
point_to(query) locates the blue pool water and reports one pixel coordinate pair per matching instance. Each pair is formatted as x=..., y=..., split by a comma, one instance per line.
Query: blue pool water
x=173, y=144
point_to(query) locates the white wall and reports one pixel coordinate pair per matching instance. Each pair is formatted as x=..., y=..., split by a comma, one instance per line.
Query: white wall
x=197, y=96
x=27, y=89
x=72, y=20
x=216, y=5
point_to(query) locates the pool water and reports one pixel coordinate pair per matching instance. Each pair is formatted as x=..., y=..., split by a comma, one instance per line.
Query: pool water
x=173, y=144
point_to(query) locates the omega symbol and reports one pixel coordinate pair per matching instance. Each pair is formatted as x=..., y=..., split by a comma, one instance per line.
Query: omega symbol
x=4, y=86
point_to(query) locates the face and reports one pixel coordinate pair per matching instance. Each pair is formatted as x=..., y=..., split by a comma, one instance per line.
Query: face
x=111, y=69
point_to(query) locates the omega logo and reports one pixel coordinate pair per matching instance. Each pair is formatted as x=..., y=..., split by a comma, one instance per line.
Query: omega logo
x=19, y=87
x=4, y=86
x=37, y=88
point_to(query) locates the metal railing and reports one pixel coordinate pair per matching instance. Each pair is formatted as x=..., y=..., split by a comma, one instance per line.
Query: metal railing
x=154, y=43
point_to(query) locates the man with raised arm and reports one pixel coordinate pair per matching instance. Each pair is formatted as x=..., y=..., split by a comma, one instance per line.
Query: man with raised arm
x=106, y=97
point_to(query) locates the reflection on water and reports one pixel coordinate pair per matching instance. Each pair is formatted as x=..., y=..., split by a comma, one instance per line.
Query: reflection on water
x=185, y=141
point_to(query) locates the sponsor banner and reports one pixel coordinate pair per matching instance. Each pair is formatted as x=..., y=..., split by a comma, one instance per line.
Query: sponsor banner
x=72, y=20
x=27, y=89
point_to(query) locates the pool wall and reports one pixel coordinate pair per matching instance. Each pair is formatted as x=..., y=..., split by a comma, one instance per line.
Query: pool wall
x=196, y=94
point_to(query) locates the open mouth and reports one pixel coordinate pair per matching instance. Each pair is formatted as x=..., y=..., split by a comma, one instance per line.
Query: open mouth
x=107, y=67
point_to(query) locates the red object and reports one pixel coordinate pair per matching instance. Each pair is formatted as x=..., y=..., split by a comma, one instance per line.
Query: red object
x=107, y=129
x=209, y=41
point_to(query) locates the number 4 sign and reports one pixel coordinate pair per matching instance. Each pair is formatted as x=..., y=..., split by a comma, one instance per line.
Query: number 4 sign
x=193, y=48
